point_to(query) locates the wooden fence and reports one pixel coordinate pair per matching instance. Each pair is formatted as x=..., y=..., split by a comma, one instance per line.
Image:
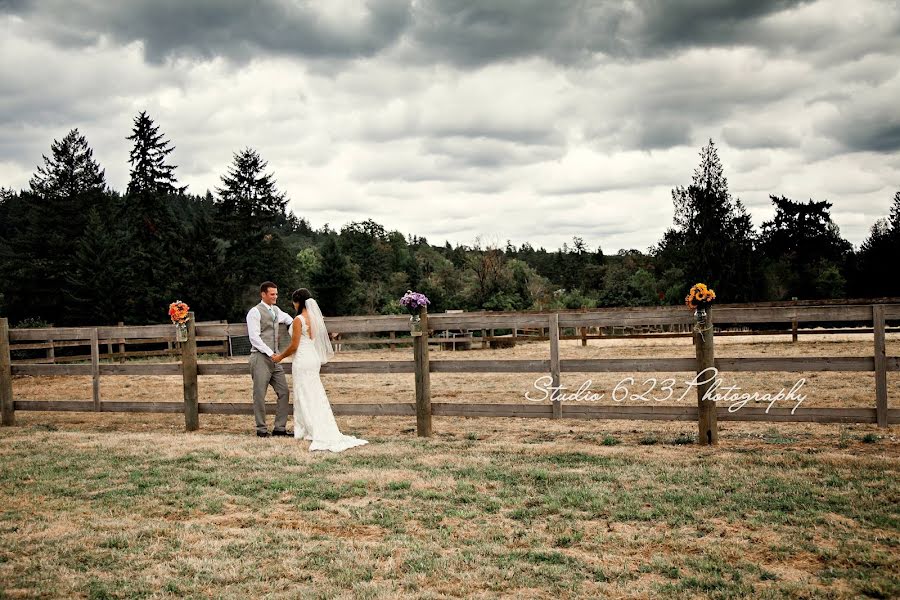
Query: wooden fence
x=423, y=409
x=117, y=348
x=489, y=338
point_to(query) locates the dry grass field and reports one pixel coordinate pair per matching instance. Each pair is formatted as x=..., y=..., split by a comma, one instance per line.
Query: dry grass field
x=128, y=506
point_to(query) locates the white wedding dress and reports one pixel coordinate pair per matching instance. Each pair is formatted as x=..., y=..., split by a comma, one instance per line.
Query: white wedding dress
x=313, y=419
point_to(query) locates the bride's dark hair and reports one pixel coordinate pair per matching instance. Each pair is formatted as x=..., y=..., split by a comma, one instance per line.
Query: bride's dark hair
x=300, y=297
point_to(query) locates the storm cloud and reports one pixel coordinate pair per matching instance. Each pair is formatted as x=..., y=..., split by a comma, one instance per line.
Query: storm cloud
x=529, y=121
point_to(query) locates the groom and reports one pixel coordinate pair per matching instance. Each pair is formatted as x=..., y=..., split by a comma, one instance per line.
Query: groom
x=263, y=324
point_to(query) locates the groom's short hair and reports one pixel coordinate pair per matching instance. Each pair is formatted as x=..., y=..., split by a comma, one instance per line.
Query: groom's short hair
x=265, y=285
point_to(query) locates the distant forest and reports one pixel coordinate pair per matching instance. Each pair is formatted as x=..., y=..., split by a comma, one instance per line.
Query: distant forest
x=75, y=252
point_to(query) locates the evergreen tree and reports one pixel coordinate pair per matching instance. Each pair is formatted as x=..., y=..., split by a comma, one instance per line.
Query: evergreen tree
x=9, y=201
x=156, y=222
x=712, y=239
x=95, y=284
x=150, y=174
x=334, y=282
x=251, y=219
x=878, y=256
x=804, y=251
x=576, y=267
x=71, y=173
x=541, y=261
x=203, y=265
x=249, y=195
x=51, y=217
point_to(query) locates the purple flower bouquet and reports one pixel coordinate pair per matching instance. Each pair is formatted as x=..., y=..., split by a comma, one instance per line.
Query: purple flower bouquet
x=413, y=301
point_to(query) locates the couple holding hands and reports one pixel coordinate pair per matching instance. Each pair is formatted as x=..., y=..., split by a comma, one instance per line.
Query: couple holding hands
x=309, y=349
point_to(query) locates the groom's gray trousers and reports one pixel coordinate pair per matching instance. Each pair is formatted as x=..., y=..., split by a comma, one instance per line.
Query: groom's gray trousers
x=266, y=372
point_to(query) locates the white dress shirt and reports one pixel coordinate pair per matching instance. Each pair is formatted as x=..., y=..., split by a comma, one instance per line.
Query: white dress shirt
x=254, y=327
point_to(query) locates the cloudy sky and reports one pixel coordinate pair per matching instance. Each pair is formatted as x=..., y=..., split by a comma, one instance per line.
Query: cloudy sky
x=527, y=120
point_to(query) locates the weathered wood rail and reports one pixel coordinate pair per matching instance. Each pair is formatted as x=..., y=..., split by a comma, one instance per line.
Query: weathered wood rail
x=423, y=409
x=527, y=330
x=115, y=347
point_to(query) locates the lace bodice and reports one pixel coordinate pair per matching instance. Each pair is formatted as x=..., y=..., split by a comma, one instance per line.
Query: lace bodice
x=304, y=331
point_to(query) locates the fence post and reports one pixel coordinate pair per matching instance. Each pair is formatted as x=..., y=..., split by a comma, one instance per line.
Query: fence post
x=484, y=340
x=423, y=378
x=584, y=336
x=554, y=365
x=121, y=344
x=707, y=420
x=793, y=330
x=224, y=338
x=95, y=369
x=881, y=396
x=7, y=407
x=189, y=373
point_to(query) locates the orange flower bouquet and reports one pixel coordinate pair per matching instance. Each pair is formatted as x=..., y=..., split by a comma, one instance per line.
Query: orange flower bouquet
x=178, y=312
x=700, y=298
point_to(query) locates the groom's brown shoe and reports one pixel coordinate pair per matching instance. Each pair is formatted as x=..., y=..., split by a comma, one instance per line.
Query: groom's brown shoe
x=277, y=433
x=262, y=434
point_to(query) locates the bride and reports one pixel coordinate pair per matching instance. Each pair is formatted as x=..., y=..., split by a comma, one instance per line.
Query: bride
x=313, y=419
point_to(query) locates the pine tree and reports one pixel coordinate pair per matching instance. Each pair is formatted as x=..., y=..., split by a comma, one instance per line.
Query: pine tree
x=712, y=239
x=248, y=194
x=96, y=282
x=155, y=224
x=71, y=173
x=894, y=217
x=335, y=283
x=150, y=174
x=251, y=217
x=203, y=265
x=9, y=203
x=53, y=214
x=877, y=257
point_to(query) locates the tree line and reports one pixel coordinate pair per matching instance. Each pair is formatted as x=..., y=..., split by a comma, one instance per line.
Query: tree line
x=75, y=252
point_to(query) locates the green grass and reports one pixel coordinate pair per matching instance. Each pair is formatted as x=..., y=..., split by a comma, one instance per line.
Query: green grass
x=170, y=516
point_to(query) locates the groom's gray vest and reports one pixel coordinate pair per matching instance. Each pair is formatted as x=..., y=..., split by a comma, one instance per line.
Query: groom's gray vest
x=272, y=335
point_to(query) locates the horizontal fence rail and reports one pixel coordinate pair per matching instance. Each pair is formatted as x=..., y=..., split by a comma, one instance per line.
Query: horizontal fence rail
x=874, y=319
x=461, y=409
x=479, y=321
x=110, y=347
x=594, y=365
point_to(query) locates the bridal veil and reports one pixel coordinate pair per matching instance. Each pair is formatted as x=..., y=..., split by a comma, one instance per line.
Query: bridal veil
x=321, y=339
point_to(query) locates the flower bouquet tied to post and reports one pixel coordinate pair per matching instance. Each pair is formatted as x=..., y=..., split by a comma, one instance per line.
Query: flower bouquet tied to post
x=700, y=298
x=414, y=302
x=178, y=312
